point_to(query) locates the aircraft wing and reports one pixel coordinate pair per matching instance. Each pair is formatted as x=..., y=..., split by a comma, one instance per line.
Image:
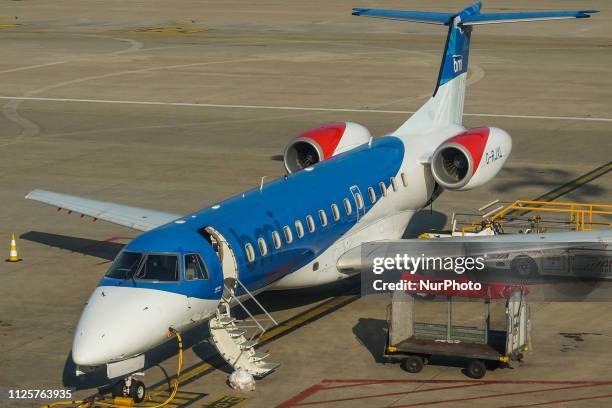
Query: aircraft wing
x=141, y=219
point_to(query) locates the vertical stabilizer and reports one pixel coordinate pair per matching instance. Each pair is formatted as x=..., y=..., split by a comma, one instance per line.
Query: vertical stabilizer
x=445, y=107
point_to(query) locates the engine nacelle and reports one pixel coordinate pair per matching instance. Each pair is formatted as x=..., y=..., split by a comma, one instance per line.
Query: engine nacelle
x=471, y=158
x=323, y=142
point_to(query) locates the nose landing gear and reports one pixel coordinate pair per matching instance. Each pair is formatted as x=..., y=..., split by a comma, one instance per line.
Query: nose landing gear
x=130, y=388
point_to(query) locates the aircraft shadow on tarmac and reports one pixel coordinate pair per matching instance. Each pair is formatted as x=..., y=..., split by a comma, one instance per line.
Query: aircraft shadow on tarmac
x=101, y=249
x=548, y=179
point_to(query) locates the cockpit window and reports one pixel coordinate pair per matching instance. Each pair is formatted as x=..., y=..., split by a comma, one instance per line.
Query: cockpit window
x=195, y=268
x=163, y=268
x=125, y=265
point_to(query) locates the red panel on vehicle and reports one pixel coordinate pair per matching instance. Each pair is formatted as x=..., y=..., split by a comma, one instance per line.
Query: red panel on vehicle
x=475, y=141
x=327, y=136
x=493, y=290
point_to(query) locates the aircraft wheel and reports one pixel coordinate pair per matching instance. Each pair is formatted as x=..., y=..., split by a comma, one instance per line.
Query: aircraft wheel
x=120, y=389
x=413, y=364
x=138, y=391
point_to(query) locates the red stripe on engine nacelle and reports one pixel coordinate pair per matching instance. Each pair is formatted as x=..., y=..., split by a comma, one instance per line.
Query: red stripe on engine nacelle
x=327, y=136
x=475, y=141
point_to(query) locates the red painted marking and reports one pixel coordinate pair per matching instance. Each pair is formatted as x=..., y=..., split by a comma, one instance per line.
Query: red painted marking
x=359, y=381
x=501, y=394
x=291, y=402
x=328, y=384
x=327, y=136
x=561, y=401
x=475, y=141
x=359, y=384
x=388, y=394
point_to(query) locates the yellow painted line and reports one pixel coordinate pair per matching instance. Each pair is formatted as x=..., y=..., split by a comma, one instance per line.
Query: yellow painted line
x=227, y=401
x=302, y=318
x=568, y=187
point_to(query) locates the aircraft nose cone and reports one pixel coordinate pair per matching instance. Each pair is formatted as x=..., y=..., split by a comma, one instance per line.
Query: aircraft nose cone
x=122, y=322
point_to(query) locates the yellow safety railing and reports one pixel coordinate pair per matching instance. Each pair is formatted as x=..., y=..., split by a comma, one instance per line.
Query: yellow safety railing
x=580, y=214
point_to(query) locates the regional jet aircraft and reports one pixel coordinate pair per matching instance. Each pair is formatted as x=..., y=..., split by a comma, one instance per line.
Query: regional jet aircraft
x=183, y=268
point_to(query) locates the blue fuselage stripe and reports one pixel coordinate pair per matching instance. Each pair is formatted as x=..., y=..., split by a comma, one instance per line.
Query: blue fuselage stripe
x=257, y=213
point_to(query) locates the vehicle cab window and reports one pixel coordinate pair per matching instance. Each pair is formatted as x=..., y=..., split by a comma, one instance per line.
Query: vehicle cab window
x=195, y=267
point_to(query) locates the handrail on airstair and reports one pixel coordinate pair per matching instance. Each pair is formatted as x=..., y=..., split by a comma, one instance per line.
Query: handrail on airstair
x=256, y=302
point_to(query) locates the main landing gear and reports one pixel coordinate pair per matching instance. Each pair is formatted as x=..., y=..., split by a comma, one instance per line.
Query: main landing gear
x=130, y=388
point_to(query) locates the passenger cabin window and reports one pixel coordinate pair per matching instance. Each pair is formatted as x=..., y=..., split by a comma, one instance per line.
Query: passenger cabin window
x=383, y=189
x=125, y=265
x=195, y=268
x=394, y=183
x=250, y=252
x=347, y=206
x=372, y=195
x=310, y=222
x=162, y=268
x=404, y=180
x=277, y=240
x=288, y=234
x=323, y=217
x=263, y=248
x=299, y=228
x=359, y=200
x=335, y=212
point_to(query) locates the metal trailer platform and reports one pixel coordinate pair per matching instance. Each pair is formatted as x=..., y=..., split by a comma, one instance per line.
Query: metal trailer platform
x=413, y=343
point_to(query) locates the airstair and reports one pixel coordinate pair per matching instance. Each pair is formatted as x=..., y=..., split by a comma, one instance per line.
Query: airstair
x=235, y=339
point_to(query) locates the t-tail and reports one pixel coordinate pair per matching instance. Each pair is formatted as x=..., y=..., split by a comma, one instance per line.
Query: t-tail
x=446, y=104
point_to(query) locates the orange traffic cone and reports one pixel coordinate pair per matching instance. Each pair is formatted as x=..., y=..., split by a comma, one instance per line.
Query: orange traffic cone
x=13, y=257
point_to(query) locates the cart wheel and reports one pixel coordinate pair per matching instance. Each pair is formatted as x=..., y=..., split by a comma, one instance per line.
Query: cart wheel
x=476, y=369
x=413, y=364
x=524, y=266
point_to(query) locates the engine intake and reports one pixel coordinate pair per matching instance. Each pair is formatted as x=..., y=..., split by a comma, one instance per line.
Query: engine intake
x=322, y=143
x=452, y=166
x=471, y=158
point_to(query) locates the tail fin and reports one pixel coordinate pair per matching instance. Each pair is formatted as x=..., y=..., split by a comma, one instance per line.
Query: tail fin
x=446, y=104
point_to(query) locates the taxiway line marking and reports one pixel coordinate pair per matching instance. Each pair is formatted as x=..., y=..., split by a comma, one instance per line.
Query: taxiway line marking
x=388, y=394
x=299, y=399
x=497, y=395
x=567, y=187
x=561, y=401
x=295, y=108
x=574, y=184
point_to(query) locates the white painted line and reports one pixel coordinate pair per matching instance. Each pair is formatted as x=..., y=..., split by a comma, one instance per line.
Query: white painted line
x=296, y=108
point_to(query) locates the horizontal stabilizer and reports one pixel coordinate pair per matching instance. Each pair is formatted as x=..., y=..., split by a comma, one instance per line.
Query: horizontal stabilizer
x=495, y=18
x=428, y=17
x=470, y=16
x=137, y=218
